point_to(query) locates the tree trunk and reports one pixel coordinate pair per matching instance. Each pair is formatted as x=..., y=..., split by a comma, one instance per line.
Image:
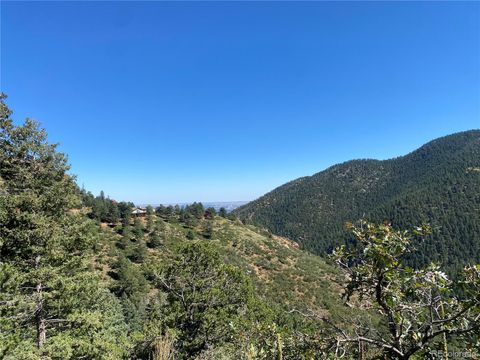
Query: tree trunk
x=360, y=350
x=40, y=313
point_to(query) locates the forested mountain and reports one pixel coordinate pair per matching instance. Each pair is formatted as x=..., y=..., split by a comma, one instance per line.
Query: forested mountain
x=438, y=184
x=88, y=277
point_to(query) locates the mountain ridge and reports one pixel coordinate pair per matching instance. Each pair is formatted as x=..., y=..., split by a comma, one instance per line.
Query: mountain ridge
x=421, y=186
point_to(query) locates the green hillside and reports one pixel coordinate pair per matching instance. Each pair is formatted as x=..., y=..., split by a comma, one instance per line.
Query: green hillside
x=282, y=274
x=437, y=184
x=287, y=282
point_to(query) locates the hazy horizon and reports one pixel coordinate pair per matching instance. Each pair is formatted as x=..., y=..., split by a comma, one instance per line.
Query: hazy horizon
x=173, y=102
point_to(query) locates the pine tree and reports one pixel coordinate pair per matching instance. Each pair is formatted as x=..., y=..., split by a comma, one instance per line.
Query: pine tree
x=210, y=213
x=155, y=239
x=150, y=210
x=113, y=214
x=52, y=303
x=206, y=299
x=138, y=229
x=125, y=210
x=222, y=212
x=150, y=223
x=207, y=229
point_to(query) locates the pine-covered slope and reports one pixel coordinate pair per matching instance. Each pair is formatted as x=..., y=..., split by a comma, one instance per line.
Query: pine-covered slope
x=438, y=184
x=282, y=274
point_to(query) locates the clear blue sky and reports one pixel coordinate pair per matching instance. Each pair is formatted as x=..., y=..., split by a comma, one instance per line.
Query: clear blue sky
x=166, y=102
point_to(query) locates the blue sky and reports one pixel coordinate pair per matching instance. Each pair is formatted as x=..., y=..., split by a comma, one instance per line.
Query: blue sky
x=219, y=101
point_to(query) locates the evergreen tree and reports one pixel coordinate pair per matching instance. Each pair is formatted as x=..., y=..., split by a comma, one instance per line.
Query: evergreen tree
x=155, y=239
x=100, y=208
x=210, y=213
x=138, y=229
x=125, y=244
x=113, y=214
x=207, y=230
x=178, y=210
x=161, y=210
x=125, y=210
x=52, y=304
x=195, y=210
x=206, y=298
x=132, y=288
x=150, y=210
x=170, y=213
x=189, y=220
x=138, y=252
x=222, y=212
x=150, y=223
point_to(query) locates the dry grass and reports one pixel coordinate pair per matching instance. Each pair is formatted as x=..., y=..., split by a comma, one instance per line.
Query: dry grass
x=163, y=348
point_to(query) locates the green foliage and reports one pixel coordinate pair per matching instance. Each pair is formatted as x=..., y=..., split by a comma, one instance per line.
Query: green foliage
x=131, y=288
x=138, y=229
x=130, y=281
x=189, y=220
x=52, y=302
x=150, y=210
x=210, y=213
x=106, y=210
x=150, y=223
x=138, y=252
x=419, y=306
x=222, y=212
x=158, y=236
x=205, y=298
x=155, y=239
x=207, y=230
x=196, y=210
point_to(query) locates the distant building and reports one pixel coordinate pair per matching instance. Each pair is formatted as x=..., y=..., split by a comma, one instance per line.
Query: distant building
x=139, y=212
